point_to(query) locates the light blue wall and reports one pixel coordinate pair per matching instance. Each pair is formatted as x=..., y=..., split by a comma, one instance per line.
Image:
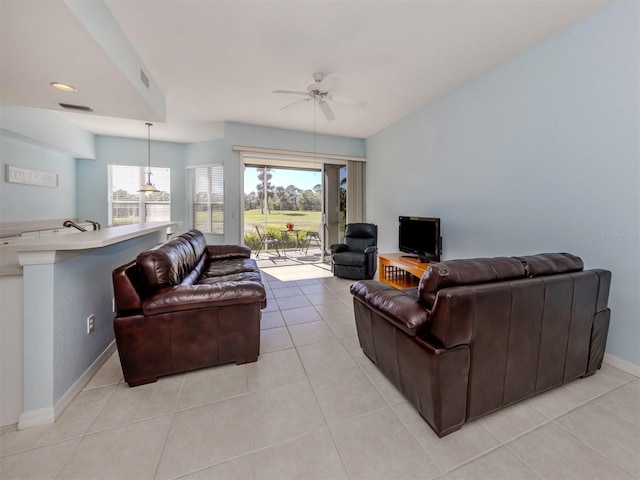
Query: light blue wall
x=58, y=298
x=75, y=298
x=204, y=153
x=21, y=203
x=539, y=154
x=92, y=174
x=265, y=137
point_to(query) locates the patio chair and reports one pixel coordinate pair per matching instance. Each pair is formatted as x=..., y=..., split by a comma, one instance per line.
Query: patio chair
x=308, y=238
x=266, y=240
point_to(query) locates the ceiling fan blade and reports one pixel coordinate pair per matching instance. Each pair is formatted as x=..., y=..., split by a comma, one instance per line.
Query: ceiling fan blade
x=297, y=101
x=326, y=109
x=352, y=102
x=325, y=84
x=291, y=92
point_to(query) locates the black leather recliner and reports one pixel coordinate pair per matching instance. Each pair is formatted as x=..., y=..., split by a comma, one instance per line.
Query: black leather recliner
x=356, y=257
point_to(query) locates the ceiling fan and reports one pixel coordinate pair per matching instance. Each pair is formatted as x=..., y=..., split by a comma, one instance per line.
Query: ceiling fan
x=320, y=92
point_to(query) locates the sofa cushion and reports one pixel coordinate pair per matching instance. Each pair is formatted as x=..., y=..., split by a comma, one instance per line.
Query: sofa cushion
x=232, y=277
x=168, y=263
x=221, y=252
x=228, y=266
x=197, y=240
x=455, y=273
x=550, y=264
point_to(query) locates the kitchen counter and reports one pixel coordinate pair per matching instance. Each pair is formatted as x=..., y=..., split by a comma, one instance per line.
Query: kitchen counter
x=18, y=251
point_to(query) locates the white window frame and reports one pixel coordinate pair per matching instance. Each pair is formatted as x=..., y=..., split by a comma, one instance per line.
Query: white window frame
x=143, y=198
x=191, y=170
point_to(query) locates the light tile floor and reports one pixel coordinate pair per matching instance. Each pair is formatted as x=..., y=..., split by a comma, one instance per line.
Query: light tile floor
x=314, y=407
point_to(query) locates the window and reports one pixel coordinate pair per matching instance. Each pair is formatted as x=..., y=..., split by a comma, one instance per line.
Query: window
x=127, y=205
x=207, y=187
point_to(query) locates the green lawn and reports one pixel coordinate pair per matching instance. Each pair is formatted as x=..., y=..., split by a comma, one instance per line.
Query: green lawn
x=300, y=219
x=277, y=219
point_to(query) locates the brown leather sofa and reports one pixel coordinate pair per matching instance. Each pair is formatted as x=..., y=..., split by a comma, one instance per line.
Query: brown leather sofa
x=183, y=305
x=478, y=335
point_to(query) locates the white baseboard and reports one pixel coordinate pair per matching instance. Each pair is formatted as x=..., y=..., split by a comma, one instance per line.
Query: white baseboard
x=36, y=417
x=623, y=365
x=42, y=416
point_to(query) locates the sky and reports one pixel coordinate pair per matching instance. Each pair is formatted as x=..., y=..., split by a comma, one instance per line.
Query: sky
x=303, y=179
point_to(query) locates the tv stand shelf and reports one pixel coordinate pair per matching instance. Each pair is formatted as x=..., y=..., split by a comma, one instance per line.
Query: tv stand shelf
x=400, y=271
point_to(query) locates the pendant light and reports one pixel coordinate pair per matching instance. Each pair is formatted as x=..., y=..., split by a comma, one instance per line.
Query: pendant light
x=148, y=187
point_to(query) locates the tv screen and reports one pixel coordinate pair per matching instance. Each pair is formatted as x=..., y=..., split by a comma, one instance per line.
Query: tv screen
x=420, y=236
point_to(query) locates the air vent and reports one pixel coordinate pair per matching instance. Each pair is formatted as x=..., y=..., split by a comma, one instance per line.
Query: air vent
x=144, y=79
x=76, y=107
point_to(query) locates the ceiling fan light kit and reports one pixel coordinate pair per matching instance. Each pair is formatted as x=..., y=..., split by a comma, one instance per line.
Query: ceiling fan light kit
x=320, y=92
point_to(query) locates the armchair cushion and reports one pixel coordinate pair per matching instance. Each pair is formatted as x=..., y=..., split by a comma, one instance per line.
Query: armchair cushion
x=350, y=259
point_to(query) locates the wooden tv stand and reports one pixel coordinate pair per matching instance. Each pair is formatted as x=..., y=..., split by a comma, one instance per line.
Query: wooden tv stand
x=399, y=271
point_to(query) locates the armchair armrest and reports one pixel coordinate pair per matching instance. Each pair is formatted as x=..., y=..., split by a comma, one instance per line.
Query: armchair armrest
x=192, y=297
x=219, y=252
x=398, y=307
x=372, y=249
x=338, y=247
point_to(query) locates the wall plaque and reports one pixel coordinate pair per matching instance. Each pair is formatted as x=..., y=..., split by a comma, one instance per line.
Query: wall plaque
x=28, y=176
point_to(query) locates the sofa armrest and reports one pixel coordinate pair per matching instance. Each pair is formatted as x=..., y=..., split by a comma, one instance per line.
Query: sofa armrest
x=193, y=297
x=219, y=252
x=127, y=284
x=396, y=306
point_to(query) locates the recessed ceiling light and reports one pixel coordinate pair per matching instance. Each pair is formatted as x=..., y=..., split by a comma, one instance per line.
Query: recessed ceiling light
x=64, y=87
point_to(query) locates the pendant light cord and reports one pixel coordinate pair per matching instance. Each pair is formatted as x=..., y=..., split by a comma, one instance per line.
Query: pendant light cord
x=149, y=144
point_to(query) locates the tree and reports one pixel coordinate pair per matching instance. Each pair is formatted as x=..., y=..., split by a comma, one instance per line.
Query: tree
x=251, y=201
x=343, y=195
x=292, y=194
x=280, y=197
x=265, y=182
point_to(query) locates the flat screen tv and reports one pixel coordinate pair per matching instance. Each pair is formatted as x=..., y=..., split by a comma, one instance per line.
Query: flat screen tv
x=420, y=237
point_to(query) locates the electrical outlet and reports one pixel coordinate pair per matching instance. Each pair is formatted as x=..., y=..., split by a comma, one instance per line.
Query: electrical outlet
x=90, y=323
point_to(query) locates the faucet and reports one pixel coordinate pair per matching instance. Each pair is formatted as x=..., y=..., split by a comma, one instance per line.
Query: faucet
x=69, y=223
x=96, y=225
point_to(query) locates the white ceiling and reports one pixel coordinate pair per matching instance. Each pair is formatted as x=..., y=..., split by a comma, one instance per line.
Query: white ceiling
x=214, y=61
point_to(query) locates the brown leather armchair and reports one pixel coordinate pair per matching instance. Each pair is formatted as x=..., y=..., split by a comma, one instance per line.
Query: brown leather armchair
x=478, y=335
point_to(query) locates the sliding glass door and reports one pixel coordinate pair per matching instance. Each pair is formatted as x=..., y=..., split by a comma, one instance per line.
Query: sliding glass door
x=284, y=203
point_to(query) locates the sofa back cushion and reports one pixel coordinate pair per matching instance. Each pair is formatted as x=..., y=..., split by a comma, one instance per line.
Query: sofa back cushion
x=171, y=262
x=550, y=264
x=455, y=273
